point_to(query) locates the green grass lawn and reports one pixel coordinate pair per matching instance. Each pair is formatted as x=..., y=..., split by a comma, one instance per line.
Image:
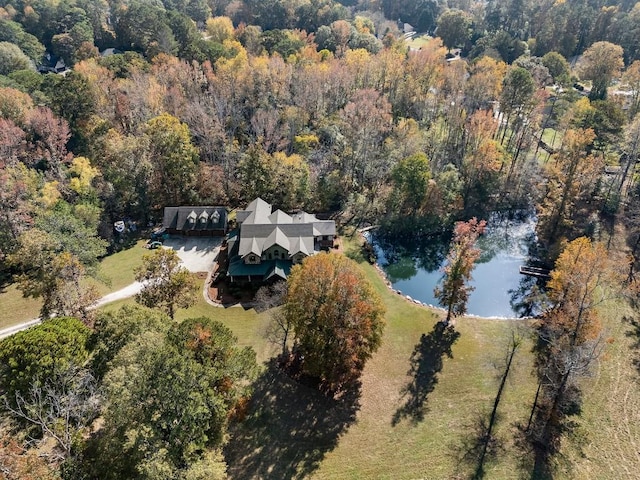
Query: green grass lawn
x=419, y=41
x=14, y=308
x=413, y=417
x=116, y=272
x=247, y=325
x=422, y=396
x=607, y=443
x=552, y=137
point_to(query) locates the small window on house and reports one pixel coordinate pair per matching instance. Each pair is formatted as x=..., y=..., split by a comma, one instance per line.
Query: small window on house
x=270, y=257
x=252, y=258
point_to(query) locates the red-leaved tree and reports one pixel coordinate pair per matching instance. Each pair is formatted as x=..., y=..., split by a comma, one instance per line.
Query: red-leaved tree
x=453, y=292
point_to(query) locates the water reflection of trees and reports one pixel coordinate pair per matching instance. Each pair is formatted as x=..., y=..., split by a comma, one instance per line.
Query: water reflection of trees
x=401, y=256
x=510, y=231
x=526, y=299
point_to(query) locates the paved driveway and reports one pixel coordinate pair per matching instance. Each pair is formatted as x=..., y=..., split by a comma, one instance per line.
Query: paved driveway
x=197, y=253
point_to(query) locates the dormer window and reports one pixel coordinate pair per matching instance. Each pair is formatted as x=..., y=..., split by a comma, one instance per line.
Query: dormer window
x=192, y=217
x=215, y=217
x=204, y=217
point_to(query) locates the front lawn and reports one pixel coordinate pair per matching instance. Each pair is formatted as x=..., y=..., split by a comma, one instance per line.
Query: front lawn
x=116, y=272
x=14, y=308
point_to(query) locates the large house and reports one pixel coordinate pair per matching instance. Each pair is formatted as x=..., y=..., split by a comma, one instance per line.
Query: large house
x=198, y=221
x=267, y=243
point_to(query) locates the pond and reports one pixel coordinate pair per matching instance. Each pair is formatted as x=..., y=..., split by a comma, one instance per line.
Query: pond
x=414, y=267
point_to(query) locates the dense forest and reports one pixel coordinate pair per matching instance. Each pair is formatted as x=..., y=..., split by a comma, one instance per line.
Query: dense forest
x=111, y=110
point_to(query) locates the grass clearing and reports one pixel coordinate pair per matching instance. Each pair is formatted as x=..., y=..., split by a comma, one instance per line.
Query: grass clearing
x=607, y=442
x=417, y=410
x=14, y=308
x=419, y=41
x=116, y=271
x=247, y=325
x=414, y=415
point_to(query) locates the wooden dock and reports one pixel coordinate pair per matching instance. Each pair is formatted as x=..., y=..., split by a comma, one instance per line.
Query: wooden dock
x=535, y=271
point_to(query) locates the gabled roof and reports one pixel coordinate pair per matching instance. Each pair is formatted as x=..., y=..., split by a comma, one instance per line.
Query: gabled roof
x=280, y=269
x=261, y=229
x=250, y=244
x=258, y=213
x=279, y=217
x=180, y=218
x=301, y=245
x=255, y=247
x=276, y=237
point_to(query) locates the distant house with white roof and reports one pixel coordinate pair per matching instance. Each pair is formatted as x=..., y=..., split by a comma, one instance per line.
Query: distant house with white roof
x=267, y=243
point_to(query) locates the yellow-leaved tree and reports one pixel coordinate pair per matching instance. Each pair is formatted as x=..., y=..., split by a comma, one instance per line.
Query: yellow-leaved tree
x=570, y=339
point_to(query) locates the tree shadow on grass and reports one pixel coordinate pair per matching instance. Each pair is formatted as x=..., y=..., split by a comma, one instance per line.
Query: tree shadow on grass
x=478, y=449
x=634, y=333
x=426, y=363
x=5, y=278
x=289, y=428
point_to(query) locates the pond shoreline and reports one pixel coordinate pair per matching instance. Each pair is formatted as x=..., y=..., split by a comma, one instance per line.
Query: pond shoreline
x=419, y=303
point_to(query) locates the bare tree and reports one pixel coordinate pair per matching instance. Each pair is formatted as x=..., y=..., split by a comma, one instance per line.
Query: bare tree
x=269, y=298
x=60, y=407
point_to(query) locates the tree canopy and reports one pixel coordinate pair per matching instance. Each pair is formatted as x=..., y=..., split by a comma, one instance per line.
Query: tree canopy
x=337, y=318
x=167, y=285
x=569, y=341
x=454, y=28
x=31, y=356
x=197, y=375
x=318, y=105
x=600, y=63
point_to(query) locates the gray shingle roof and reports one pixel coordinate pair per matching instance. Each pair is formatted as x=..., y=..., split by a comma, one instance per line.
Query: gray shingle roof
x=276, y=237
x=301, y=244
x=261, y=229
x=195, y=218
x=259, y=212
x=279, y=217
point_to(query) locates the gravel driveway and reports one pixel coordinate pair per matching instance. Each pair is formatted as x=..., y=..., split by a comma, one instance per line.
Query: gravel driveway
x=197, y=253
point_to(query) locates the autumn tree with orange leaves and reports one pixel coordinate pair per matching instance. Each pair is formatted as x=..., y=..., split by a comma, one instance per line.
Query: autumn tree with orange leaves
x=337, y=317
x=570, y=339
x=453, y=292
x=572, y=173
